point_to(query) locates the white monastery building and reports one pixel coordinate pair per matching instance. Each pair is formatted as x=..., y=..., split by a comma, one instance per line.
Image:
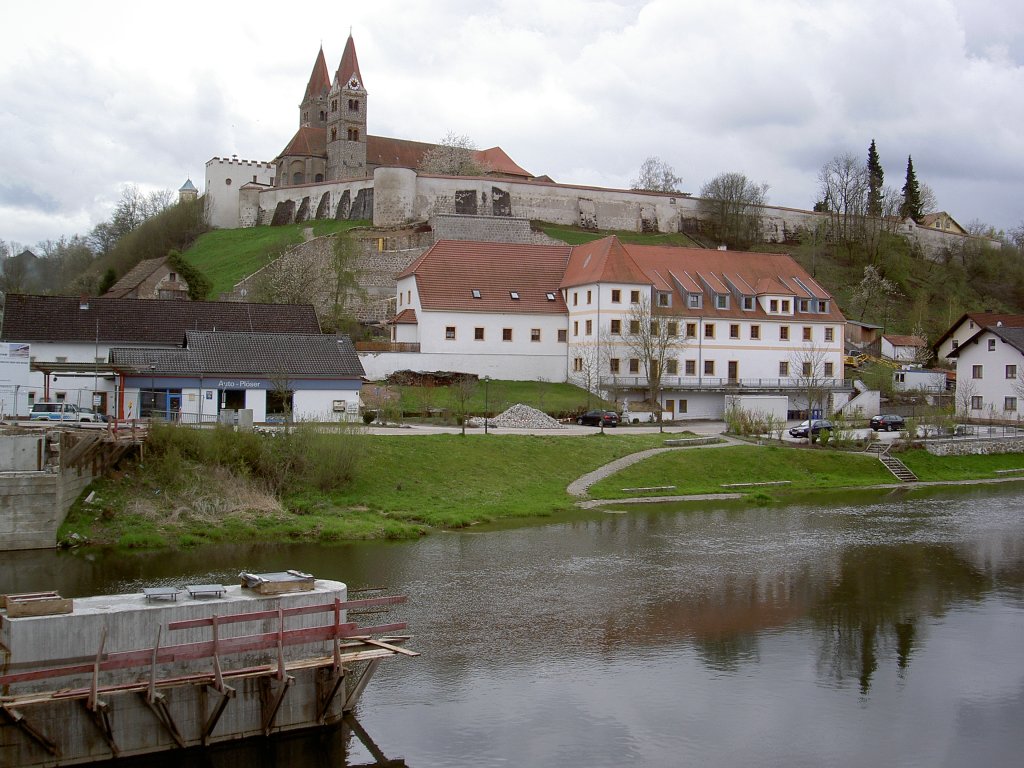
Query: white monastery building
x=732, y=324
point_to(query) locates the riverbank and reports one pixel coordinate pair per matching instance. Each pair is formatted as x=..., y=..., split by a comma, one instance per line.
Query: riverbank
x=406, y=486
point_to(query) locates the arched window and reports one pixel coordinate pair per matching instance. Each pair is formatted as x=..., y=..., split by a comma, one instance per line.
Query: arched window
x=323, y=115
x=297, y=177
x=334, y=134
x=319, y=177
x=353, y=134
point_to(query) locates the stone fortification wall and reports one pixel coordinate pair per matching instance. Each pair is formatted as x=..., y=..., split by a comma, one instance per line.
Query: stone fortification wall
x=975, y=447
x=330, y=200
x=378, y=261
x=399, y=196
x=491, y=229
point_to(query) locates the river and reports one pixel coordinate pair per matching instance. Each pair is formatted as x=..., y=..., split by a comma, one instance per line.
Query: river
x=868, y=629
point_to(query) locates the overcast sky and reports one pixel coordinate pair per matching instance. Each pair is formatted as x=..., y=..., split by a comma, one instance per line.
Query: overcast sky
x=101, y=94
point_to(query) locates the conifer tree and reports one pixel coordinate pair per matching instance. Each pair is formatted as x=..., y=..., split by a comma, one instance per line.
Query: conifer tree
x=876, y=177
x=911, y=194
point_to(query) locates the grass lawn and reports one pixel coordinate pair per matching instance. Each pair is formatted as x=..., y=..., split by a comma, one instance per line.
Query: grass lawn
x=929, y=467
x=706, y=470
x=547, y=396
x=226, y=256
x=577, y=236
x=402, y=487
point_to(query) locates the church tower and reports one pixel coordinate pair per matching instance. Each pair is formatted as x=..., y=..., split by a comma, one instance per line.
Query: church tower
x=346, y=119
x=313, y=109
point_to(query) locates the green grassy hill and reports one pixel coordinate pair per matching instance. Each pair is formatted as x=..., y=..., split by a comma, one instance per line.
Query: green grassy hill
x=932, y=293
x=226, y=256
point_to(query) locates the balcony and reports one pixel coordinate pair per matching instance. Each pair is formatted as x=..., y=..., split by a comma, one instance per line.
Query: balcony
x=717, y=384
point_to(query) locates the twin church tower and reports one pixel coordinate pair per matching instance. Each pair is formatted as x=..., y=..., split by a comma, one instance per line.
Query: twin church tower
x=331, y=141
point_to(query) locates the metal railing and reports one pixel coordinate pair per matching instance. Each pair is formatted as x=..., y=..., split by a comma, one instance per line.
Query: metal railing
x=713, y=382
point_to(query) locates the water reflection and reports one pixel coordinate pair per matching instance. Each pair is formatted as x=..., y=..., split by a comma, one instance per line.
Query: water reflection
x=326, y=748
x=877, y=630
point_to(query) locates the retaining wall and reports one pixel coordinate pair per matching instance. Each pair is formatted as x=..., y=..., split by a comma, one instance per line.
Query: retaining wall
x=34, y=504
x=975, y=447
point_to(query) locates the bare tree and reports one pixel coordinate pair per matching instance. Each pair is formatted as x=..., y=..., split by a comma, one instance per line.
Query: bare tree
x=966, y=391
x=843, y=185
x=461, y=393
x=807, y=369
x=284, y=281
x=590, y=360
x=652, y=337
x=731, y=206
x=344, y=280
x=454, y=155
x=656, y=176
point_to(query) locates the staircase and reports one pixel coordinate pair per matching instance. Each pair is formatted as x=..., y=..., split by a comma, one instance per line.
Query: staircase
x=899, y=470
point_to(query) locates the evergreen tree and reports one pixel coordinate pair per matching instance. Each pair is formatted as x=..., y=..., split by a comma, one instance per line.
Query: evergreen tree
x=911, y=194
x=876, y=177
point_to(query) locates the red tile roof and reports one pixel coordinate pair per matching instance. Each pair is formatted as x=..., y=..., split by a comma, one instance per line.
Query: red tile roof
x=904, y=341
x=406, y=316
x=449, y=272
x=319, y=79
x=349, y=65
x=983, y=320
x=495, y=160
x=308, y=141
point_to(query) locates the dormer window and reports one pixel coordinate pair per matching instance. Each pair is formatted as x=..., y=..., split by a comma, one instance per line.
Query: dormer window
x=664, y=299
x=823, y=307
x=476, y=293
x=514, y=295
x=785, y=306
x=804, y=305
x=721, y=301
x=694, y=300
x=748, y=303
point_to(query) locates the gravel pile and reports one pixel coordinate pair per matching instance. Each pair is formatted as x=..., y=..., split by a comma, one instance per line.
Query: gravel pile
x=520, y=416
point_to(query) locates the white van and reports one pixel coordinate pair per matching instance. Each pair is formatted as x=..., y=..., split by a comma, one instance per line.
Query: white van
x=59, y=412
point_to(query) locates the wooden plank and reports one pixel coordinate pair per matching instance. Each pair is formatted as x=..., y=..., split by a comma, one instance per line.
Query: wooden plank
x=390, y=647
x=235, y=618
x=25, y=596
x=38, y=606
x=203, y=650
x=199, y=679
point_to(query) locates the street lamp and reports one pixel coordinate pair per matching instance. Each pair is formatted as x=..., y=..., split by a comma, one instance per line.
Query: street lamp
x=487, y=382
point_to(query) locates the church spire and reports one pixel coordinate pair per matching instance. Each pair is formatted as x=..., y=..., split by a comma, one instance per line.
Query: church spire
x=319, y=78
x=348, y=69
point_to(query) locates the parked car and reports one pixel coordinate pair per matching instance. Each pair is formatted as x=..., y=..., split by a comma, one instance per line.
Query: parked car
x=60, y=412
x=815, y=427
x=887, y=422
x=598, y=417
